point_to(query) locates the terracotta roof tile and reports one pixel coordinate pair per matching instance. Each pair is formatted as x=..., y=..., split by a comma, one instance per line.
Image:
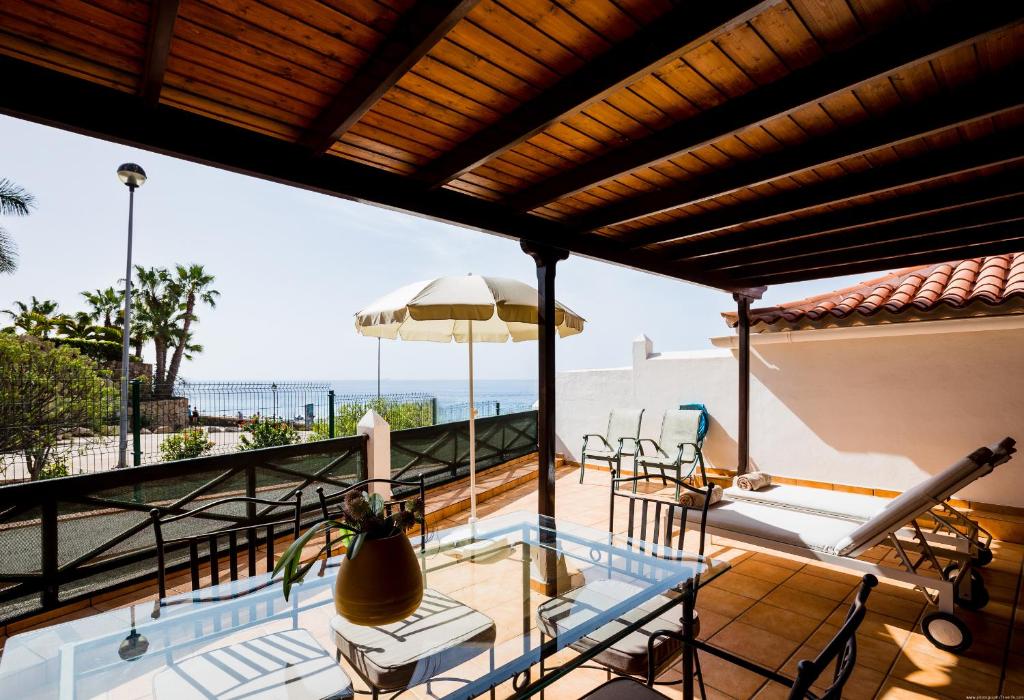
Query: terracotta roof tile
x=987, y=286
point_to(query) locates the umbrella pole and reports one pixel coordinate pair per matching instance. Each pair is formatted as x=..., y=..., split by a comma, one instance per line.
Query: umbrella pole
x=472, y=434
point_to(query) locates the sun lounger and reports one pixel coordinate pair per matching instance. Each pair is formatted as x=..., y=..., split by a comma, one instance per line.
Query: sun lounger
x=950, y=525
x=842, y=541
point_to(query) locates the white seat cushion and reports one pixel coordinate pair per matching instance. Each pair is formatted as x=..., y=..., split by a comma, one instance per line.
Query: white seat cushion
x=854, y=506
x=786, y=526
x=442, y=634
x=283, y=665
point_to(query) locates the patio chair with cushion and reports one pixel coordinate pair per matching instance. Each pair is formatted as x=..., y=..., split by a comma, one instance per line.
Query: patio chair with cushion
x=631, y=655
x=440, y=635
x=841, y=650
x=623, y=428
x=679, y=444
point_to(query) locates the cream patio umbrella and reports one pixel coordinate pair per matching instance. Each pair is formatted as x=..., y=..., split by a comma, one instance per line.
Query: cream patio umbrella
x=467, y=309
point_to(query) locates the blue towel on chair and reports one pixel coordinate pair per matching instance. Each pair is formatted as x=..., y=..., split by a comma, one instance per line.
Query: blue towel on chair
x=702, y=426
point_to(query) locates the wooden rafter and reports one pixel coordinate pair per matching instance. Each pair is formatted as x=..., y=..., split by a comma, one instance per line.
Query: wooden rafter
x=897, y=48
x=680, y=30
x=933, y=166
x=416, y=33
x=163, y=14
x=987, y=100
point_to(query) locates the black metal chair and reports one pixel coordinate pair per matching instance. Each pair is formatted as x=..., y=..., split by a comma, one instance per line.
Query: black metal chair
x=255, y=527
x=632, y=655
x=623, y=427
x=679, y=444
x=842, y=649
x=441, y=635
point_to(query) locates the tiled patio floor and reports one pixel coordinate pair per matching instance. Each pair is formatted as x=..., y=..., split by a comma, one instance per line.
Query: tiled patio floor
x=772, y=609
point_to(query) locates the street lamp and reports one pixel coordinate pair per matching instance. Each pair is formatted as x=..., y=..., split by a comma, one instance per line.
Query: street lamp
x=133, y=176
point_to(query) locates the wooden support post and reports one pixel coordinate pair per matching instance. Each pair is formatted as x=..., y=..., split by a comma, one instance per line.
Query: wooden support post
x=546, y=259
x=743, y=300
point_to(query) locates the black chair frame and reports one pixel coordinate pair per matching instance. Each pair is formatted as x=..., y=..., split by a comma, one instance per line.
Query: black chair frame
x=252, y=527
x=663, y=511
x=842, y=649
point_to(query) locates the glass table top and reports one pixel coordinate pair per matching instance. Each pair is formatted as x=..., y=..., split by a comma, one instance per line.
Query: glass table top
x=498, y=571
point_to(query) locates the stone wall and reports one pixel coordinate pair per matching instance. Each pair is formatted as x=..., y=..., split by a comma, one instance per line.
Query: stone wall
x=163, y=413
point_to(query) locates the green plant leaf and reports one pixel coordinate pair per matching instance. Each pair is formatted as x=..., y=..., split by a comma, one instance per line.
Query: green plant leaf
x=357, y=544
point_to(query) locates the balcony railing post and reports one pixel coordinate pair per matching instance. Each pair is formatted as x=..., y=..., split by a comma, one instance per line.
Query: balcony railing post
x=330, y=413
x=48, y=553
x=497, y=408
x=136, y=422
x=433, y=410
x=250, y=491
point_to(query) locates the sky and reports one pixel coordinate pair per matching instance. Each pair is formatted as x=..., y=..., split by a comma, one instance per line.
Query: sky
x=293, y=267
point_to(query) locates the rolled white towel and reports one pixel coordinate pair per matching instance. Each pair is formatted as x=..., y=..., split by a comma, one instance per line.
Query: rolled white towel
x=689, y=499
x=752, y=481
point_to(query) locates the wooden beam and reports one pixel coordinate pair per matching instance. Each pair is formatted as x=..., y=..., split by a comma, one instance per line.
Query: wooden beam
x=418, y=30
x=689, y=25
x=920, y=234
x=773, y=240
x=163, y=14
x=49, y=97
x=964, y=158
x=1009, y=238
x=988, y=100
x=911, y=43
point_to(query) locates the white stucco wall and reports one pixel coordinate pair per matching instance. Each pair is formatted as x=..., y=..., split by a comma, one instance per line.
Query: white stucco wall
x=882, y=411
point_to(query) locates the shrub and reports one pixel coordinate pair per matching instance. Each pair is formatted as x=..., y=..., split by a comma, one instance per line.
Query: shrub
x=102, y=350
x=187, y=444
x=262, y=433
x=400, y=415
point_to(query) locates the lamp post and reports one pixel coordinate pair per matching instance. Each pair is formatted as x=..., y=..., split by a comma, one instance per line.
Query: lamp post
x=133, y=176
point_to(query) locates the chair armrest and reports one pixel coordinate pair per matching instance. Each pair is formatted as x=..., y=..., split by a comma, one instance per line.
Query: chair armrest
x=636, y=445
x=657, y=447
x=586, y=439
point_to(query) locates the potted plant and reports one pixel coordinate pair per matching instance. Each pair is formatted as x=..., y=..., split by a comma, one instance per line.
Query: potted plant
x=379, y=580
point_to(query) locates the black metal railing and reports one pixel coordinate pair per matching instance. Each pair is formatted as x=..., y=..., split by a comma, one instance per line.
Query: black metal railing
x=441, y=452
x=68, y=538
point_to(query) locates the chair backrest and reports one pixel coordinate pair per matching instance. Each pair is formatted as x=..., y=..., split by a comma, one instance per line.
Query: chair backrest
x=665, y=512
x=338, y=497
x=254, y=527
x=624, y=422
x=842, y=649
x=915, y=501
x=678, y=426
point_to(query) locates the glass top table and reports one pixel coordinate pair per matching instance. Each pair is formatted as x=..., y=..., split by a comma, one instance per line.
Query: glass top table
x=503, y=567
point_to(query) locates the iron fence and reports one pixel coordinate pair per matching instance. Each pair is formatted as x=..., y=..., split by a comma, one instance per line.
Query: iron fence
x=69, y=538
x=441, y=452
x=454, y=412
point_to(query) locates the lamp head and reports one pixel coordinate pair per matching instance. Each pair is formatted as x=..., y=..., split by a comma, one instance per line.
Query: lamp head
x=131, y=174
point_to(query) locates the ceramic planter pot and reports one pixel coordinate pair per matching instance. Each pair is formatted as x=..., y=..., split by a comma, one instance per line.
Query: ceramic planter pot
x=381, y=585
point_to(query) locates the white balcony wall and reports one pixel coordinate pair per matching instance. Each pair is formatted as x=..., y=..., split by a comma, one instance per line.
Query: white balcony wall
x=880, y=407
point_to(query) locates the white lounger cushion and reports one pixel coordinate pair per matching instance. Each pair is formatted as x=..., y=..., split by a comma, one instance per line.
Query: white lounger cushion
x=853, y=506
x=786, y=526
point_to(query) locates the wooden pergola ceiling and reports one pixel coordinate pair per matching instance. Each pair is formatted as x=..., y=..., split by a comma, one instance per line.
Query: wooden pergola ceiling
x=731, y=143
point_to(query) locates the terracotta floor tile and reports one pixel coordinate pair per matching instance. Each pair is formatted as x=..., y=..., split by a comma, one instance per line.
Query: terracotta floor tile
x=754, y=643
x=748, y=586
x=723, y=602
x=826, y=588
x=728, y=678
x=785, y=562
x=756, y=568
x=801, y=602
x=896, y=689
x=782, y=622
x=954, y=681
x=892, y=606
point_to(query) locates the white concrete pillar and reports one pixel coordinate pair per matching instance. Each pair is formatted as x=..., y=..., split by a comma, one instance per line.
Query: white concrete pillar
x=643, y=347
x=378, y=451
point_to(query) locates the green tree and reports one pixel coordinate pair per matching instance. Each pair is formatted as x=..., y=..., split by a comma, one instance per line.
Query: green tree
x=192, y=285
x=37, y=317
x=14, y=201
x=156, y=307
x=78, y=325
x=45, y=391
x=105, y=305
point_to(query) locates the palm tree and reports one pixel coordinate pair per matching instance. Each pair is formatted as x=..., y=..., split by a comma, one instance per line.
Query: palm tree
x=79, y=325
x=14, y=201
x=35, y=318
x=105, y=304
x=192, y=285
x=157, y=309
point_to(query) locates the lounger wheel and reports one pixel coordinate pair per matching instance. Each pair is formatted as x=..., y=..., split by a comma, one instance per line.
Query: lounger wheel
x=979, y=593
x=947, y=632
x=984, y=557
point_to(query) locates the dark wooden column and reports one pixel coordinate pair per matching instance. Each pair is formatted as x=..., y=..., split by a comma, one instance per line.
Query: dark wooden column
x=743, y=300
x=546, y=259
